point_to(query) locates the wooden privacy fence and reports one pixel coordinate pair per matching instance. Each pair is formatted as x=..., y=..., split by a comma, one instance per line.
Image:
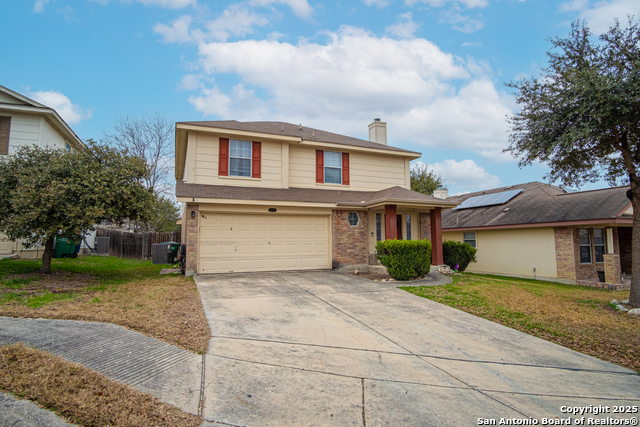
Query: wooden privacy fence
x=134, y=245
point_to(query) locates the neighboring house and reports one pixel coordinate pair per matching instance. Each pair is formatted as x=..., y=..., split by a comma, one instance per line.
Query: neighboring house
x=24, y=121
x=262, y=196
x=538, y=230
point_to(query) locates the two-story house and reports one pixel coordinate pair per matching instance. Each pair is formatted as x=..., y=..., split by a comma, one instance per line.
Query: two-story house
x=262, y=196
x=24, y=121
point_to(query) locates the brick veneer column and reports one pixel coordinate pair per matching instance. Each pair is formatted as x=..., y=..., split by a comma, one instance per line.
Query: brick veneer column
x=565, y=253
x=425, y=226
x=192, y=239
x=612, y=269
x=391, y=224
x=349, y=244
x=436, y=237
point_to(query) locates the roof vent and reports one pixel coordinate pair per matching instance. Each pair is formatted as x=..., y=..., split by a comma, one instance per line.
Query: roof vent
x=300, y=126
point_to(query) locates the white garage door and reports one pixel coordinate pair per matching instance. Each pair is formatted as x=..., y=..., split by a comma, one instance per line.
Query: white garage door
x=231, y=242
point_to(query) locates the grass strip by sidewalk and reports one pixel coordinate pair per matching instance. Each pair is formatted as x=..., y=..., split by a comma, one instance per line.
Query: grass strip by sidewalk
x=81, y=395
x=125, y=292
x=576, y=317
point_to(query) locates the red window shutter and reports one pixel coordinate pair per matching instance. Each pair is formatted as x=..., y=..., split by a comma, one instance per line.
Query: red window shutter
x=345, y=168
x=223, y=158
x=319, y=166
x=256, y=159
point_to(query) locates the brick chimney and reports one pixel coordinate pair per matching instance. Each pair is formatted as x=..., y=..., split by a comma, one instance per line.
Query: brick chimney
x=378, y=132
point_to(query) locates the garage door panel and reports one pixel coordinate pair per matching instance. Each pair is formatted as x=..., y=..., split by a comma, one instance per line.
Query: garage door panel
x=262, y=243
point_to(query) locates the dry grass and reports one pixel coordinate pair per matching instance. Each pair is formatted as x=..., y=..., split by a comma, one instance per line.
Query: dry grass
x=80, y=395
x=165, y=307
x=576, y=317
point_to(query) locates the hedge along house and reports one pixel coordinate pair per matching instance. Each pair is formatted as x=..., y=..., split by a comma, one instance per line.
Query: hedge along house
x=268, y=196
x=25, y=122
x=541, y=231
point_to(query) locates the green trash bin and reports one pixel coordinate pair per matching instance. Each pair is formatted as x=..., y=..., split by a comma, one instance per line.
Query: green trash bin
x=65, y=248
x=174, y=250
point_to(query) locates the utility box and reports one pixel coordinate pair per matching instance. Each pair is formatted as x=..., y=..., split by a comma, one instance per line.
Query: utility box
x=164, y=253
x=102, y=245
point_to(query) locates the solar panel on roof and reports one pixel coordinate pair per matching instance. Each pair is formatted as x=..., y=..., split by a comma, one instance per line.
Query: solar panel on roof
x=489, y=199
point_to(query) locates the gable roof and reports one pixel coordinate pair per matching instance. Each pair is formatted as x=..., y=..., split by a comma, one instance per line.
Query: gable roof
x=362, y=199
x=28, y=105
x=291, y=130
x=540, y=203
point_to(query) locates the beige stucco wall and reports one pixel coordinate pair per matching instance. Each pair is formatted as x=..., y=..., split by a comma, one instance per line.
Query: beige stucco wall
x=206, y=164
x=367, y=171
x=513, y=252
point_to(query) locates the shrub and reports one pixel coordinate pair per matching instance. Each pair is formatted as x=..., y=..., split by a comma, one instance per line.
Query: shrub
x=405, y=259
x=458, y=253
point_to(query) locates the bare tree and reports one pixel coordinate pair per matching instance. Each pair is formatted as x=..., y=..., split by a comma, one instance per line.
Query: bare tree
x=151, y=138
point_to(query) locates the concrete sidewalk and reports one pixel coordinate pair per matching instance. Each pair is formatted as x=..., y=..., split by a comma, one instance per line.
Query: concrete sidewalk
x=169, y=373
x=321, y=348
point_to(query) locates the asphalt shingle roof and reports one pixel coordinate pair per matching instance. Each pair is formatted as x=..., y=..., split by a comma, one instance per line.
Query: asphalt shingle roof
x=539, y=203
x=289, y=129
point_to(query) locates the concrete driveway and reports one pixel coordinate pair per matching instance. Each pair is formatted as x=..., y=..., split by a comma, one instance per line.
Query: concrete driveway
x=322, y=348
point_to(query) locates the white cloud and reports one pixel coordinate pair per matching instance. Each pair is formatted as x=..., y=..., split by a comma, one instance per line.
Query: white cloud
x=471, y=44
x=378, y=3
x=436, y=3
x=237, y=20
x=464, y=175
x=404, y=26
x=70, y=113
x=600, y=16
x=38, y=6
x=178, y=32
x=168, y=4
x=301, y=8
x=342, y=84
x=463, y=23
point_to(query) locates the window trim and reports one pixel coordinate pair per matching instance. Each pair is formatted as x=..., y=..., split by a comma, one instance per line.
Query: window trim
x=474, y=240
x=332, y=167
x=321, y=168
x=349, y=219
x=250, y=158
x=580, y=245
x=378, y=227
x=407, y=225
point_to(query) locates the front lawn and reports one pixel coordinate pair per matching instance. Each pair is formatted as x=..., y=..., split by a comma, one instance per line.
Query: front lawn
x=125, y=292
x=576, y=317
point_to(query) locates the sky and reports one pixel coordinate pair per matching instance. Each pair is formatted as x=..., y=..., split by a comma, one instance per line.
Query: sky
x=434, y=70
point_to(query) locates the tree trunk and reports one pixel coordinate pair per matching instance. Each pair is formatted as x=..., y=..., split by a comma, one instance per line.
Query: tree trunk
x=48, y=254
x=634, y=297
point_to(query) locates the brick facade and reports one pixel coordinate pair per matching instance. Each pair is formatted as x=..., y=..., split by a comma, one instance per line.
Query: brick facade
x=191, y=238
x=425, y=226
x=349, y=244
x=565, y=253
x=586, y=271
x=612, y=273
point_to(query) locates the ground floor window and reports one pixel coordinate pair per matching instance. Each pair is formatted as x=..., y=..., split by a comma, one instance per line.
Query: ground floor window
x=598, y=244
x=470, y=238
x=584, y=241
x=378, y=227
x=408, y=226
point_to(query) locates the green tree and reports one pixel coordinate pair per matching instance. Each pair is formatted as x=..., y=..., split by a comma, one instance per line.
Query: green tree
x=581, y=117
x=46, y=193
x=164, y=215
x=425, y=180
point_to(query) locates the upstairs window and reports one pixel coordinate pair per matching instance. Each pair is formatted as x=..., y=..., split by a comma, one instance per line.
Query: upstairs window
x=470, y=238
x=332, y=167
x=239, y=158
x=585, y=245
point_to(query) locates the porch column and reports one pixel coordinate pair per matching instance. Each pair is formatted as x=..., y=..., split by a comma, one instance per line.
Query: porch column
x=391, y=225
x=436, y=237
